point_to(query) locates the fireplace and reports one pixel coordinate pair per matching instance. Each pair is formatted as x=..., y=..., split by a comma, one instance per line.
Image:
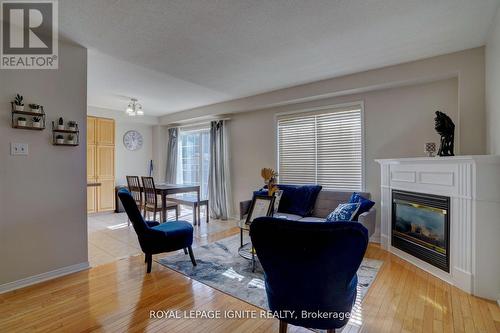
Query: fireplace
x=421, y=226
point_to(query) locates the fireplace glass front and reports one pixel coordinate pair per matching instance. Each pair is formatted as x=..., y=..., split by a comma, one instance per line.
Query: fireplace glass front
x=420, y=226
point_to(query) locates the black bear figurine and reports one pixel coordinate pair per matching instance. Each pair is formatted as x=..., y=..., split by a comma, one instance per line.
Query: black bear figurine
x=446, y=128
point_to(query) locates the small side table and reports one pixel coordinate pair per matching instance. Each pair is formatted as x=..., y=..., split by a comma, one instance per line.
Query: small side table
x=246, y=250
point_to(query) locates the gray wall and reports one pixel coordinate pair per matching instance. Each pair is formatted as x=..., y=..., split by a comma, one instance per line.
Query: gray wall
x=43, y=221
x=399, y=104
x=398, y=122
x=493, y=87
x=467, y=66
x=133, y=162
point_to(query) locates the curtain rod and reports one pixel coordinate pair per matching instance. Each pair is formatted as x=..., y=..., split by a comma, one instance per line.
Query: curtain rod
x=207, y=122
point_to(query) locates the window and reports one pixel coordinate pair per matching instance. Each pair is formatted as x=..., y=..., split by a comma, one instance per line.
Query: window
x=323, y=147
x=193, y=159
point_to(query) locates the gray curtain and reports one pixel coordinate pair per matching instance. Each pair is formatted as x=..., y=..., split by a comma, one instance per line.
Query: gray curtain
x=171, y=176
x=218, y=178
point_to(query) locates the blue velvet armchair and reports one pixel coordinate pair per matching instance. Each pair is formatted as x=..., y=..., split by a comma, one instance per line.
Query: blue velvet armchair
x=157, y=238
x=311, y=267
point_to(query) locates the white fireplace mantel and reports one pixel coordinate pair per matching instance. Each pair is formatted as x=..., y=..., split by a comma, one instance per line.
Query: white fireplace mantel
x=473, y=185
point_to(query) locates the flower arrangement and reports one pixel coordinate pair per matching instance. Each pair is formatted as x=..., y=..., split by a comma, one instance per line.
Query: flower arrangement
x=269, y=176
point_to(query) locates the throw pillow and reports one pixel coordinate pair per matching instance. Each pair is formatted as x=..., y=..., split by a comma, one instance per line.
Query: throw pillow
x=298, y=199
x=262, y=191
x=343, y=212
x=364, y=204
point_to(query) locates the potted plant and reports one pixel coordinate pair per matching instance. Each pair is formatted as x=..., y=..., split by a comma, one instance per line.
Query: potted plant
x=21, y=121
x=35, y=108
x=71, y=139
x=18, y=103
x=36, y=121
x=60, y=124
x=59, y=139
x=72, y=125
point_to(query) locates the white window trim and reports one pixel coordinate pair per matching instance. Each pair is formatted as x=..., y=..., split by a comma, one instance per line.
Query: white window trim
x=306, y=111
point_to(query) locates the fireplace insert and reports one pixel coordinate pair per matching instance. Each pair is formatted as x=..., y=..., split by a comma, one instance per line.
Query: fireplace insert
x=421, y=226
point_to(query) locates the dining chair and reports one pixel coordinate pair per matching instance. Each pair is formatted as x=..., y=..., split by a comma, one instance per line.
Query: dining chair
x=134, y=187
x=310, y=267
x=151, y=202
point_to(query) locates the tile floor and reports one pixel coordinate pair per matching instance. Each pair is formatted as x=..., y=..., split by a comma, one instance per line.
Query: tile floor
x=111, y=239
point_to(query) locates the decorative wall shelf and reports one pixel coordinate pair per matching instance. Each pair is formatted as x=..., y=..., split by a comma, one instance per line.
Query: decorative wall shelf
x=31, y=128
x=28, y=113
x=66, y=144
x=65, y=133
x=17, y=114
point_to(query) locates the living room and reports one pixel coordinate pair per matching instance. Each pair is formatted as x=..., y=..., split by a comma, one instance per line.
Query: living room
x=256, y=153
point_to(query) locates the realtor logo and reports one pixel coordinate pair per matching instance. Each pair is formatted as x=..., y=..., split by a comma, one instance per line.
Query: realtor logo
x=29, y=35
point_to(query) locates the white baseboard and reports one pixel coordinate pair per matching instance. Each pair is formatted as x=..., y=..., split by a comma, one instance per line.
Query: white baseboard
x=462, y=279
x=9, y=286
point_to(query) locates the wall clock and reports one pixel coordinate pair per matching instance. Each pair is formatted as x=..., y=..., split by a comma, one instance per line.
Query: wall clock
x=132, y=140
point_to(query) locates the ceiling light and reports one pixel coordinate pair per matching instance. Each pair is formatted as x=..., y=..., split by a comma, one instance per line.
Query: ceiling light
x=134, y=108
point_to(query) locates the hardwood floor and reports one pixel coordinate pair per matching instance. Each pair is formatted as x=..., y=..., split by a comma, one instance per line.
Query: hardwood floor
x=118, y=297
x=110, y=238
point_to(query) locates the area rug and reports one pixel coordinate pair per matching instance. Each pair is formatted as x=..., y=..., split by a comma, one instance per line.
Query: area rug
x=221, y=267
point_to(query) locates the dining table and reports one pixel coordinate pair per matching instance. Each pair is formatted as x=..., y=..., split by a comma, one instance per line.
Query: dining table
x=163, y=190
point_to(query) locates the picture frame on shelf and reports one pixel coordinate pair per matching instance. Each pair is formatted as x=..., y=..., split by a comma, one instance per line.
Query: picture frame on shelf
x=277, y=198
x=262, y=205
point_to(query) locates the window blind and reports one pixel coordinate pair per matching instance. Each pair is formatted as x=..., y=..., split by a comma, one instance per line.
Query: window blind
x=322, y=148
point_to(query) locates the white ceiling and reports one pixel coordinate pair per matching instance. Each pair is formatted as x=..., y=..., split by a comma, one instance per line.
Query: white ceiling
x=180, y=54
x=112, y=82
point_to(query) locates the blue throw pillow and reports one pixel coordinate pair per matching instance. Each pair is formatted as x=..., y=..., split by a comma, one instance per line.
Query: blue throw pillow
x=298, y=199
x=365, y=204
x=343, y=212
x=260, y=192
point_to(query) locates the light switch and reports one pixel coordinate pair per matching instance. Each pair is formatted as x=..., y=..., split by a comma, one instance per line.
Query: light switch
x=18, y=148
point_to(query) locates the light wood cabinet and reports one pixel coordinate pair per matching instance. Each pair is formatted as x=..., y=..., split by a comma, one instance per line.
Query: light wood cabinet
x=101, y=164
x=91, y=162
x=105, y=162
x=91, y=197
x=106, y=195
x=91, y=130
x=105, y=131
x=106, y=176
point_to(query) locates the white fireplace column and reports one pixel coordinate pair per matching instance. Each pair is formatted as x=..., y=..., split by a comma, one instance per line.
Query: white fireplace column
x=473, y=185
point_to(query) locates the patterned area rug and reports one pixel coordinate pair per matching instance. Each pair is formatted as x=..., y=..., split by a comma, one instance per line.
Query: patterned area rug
x=221, y=267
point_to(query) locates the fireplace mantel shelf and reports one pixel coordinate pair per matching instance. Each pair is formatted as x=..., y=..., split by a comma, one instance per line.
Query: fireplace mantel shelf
x=444, y=159
x=473, y=185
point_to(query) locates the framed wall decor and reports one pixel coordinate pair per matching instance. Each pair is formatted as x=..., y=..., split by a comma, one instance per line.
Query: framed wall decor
x=133, y=140
x=262, y=205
